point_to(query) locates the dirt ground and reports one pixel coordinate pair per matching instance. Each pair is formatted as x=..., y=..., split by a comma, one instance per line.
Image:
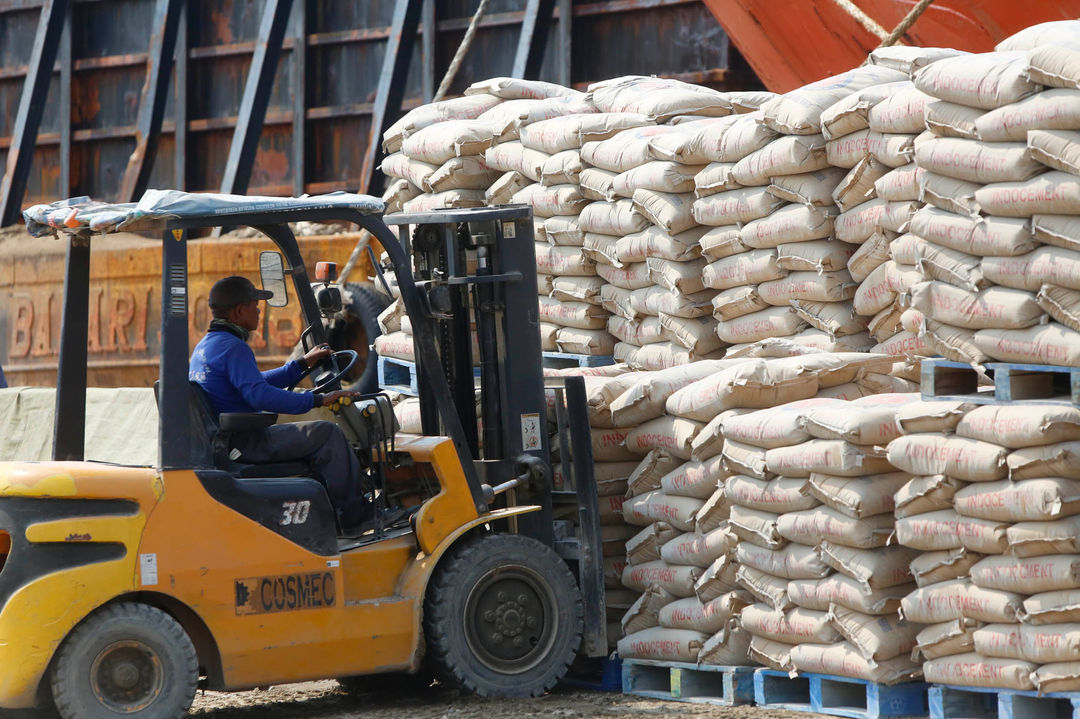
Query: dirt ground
x=324, y=700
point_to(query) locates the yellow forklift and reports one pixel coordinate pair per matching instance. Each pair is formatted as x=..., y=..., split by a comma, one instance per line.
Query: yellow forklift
x=124, y=589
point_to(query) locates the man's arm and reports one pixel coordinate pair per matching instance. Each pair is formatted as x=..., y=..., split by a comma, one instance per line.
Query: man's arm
x=244, y=374
x=288, y=374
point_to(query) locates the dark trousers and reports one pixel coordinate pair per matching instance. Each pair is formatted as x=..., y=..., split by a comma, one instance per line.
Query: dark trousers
x=323, y=446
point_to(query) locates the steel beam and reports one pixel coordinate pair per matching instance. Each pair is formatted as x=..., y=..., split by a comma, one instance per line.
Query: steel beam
x=69, y=429
x=427, y=75
x=256, y=97
x=65, y=108
x=180, y=109
x=391, y=90
x=533, y=40
x=31, y=106
x=299, y=98
x=155, y=93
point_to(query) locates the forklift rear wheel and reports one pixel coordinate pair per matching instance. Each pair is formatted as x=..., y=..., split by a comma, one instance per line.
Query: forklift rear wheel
x=126, y=659
x=502, y=616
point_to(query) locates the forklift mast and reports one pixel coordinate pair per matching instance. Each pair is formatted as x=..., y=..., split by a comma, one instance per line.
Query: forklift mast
x=476, y=272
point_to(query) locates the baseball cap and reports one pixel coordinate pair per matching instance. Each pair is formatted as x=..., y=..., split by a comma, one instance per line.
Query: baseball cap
x=233, y=291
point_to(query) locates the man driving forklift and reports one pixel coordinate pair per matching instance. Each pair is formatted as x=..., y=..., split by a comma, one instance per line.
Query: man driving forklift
x=224, y=366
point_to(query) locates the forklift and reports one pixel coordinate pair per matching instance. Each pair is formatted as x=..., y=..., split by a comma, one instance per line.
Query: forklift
x=124, y=589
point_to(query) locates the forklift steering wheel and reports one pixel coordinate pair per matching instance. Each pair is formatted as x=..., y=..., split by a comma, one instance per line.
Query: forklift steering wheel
x=333, y=361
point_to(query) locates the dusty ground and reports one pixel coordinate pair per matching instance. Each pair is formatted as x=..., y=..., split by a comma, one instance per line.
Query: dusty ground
x=324, y=700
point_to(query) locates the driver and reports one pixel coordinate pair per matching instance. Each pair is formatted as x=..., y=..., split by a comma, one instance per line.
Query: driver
x=224, y=366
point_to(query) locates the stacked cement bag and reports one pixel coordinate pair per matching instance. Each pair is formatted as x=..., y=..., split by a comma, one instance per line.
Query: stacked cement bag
x=812, y=505
x=996, y=507
x=994, y=246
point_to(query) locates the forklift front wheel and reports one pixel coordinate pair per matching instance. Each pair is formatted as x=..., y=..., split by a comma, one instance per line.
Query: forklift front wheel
x=502, y=616
x=130, y=659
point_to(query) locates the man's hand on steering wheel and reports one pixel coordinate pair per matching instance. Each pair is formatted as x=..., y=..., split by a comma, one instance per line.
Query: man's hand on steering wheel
x=317, y=354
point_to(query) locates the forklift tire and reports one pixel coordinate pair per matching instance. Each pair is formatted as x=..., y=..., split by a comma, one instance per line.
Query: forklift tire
x=126, y=659
x=358, y=330
x=502, y=617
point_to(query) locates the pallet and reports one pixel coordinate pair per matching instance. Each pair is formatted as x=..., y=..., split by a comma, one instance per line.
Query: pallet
x=398, y=375
x=692, y=683
x=838, y=696
x=954, y=702
x=562, y=360
x=1013, y=382
x=603, y=674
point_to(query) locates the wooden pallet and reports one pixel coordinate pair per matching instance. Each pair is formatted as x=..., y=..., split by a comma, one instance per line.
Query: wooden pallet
x=562, y=360
x=692, y=683
x=1013, y=382
x=838, y=696
x=953, y=702
x=398, y=375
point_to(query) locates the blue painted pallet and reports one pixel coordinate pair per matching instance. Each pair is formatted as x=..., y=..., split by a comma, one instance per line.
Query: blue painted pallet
x=603, y=674
x=692, y=683
x=838, y=696
x=398, y=375
x=562, y=360
x=1013, y=382
x=953, y=702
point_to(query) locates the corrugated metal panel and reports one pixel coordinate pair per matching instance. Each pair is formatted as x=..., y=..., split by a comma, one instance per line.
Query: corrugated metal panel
x=344, y=52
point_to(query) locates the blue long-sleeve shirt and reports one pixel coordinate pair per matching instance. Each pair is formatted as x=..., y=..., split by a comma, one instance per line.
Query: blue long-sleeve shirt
x=224, y=365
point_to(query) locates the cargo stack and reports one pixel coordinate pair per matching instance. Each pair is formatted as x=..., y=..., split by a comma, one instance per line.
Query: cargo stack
x=1001, y=584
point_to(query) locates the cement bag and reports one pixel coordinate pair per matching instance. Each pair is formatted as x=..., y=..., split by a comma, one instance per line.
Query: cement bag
x=737, y=302
x=655, y=242
x=812, y=526
x=772, y=322
x=933, y=567
x=857, y=187
x=1057, y=676
x=848, y=150
x=958, y=457
x=1044, y=344
x=573, y=131
x=792, y=562
x=510, y=88
x=746, y=101
x=891, y=150
x=886, y=324
x=1064, y=33
x=613, y=569
x=709, y=442
x=670, y=645
x=396, y=344
x=663, y=355
x=657, y=300
x=745, y=459
x=713, y=514
x=714, y=178
x=645, y=396
x=1028, y=575
x=1045, y=608
x=1054, y=66
x=508, y=118
x=563, y=261
x=645, y=545
x=868, y=256
x=877, y=568
x=645, y=612
x=720, y=242
x=857, y=497
x=945, y=639
x=779, y=426
x=658, y=98
x=735, y=206
x=718, y=579
x=786, y=155
x=844, y=660
x=1047, y=110
x=779, y=495
x=975, y=670
x=462, y=173
x=1061, y=304
x=1026, y=500
x=1029, y=272
x=597, y=184
x=728, y=647
x=986, y=80
x=1055, y=460
x=984, y=536
x=564, y=231
x=748, y=268
x=950, y=194
x=562, y=168
x=678, y=580
x=808, y=188
x=683, y=145
x=851, y=113
x=398, y=193
x=756, y=527
x=584, y=342
x=1057, y=149
x=926, y=494
x=656, y=506
x=684, y=277
x=857, y=224
x=623, y=151
x=572, y=314
x=752, y=383
x=672, y=434
x=448, y=200
x=577, y=289
x=611, y=218
x=875, y=638
x=976, y=161
x=789, y=224
x=699, y=550
x=401, y=166
x=515, y=157
x=847, y=592
x=657, y=176
x=799, y=111
x=901, y=184
x=1053, y=193
x=548, y=333
x=930, y=531
x=992, y=308
x=955, y=268
x=767, y=589
x=698, y=335
x=695, y=479
x=1032, y=539
x=629, y=277
x=792, y=627
x=731, y=143
x=902, y=112
x=957, y=599
x=459, y=108
x=551, y=201
x=438, y=143
x=646, y=477
x=776, y=655
x=710, y=617
x=869, y=421
x=611, y=510
x=998, y=236
x=947, y=119
x=830, y=456
x=903, y=343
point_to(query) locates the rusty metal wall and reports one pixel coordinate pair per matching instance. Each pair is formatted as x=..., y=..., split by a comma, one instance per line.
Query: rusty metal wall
x=339, y=46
